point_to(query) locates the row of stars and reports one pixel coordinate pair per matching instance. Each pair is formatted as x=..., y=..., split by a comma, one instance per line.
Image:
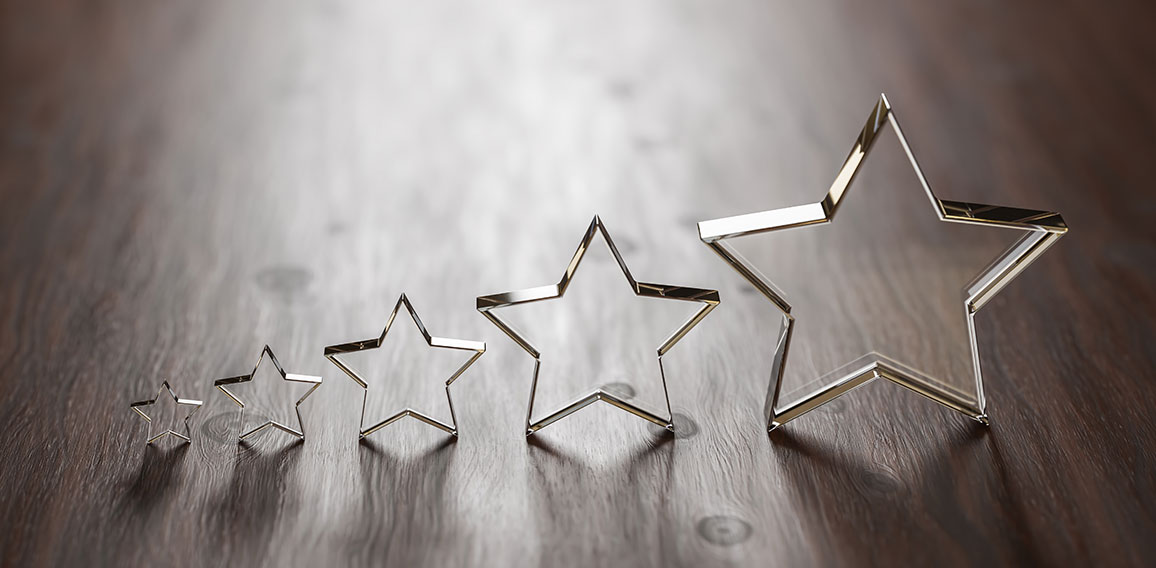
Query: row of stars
x=1041, y=228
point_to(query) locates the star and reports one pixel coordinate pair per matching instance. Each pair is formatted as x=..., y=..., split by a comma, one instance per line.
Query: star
x=477, y=347
x=487, y=305
x=140, y=408
x=298, y=432
x=1041, y=230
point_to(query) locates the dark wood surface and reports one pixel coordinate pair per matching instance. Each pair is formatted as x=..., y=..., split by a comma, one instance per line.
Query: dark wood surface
x=184, y=182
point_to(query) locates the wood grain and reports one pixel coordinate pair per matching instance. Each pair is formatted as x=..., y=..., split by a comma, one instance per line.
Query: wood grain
x=182, y=183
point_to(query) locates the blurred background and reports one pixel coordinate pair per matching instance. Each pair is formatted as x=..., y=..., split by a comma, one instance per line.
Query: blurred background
x=182, y=183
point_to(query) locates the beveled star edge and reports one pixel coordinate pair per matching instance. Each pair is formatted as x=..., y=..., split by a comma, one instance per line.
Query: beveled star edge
x=478, y=347
x=298, y=432
x=138, y=407
x=1042, y=230
x=486, y=305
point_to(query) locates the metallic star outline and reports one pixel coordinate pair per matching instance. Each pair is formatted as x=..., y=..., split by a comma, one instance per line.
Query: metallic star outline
x=478, y=347
x=298, y=432
x=486, y=305
x=139, y=407
x=1042, y=230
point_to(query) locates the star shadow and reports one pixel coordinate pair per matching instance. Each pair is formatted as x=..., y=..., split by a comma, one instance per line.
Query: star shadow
x=625, y=502
x=838, y=492
x=251, y=503
x=541, y=443
x=159, y=471
x=405, y=510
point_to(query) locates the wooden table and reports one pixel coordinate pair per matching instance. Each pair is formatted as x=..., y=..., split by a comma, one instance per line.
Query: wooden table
x=182, y=183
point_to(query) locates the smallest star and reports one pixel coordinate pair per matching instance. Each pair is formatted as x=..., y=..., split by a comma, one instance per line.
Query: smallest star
x=144, y=407
x=299, y=431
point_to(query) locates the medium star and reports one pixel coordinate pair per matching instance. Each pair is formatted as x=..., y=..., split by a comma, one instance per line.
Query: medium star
x=487, y=305
x=298, y=432
x=144, y=407
x=1041, y=230
x=477, y=347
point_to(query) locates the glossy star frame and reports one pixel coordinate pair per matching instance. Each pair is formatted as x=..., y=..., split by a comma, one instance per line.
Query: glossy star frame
x=139, y=408
x=1042, y=230
x=477, y=347
x=299, y=432
x=487, y=305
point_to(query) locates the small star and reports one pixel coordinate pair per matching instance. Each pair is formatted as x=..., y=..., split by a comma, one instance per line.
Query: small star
x=477, y=347
x=144, y=407
x=487, y=305
x=298, y=432
x=1042, y=229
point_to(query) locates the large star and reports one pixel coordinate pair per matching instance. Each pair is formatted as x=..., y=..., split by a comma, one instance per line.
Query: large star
x=487, y=305
x=144, y=407
x=477, y=347
x=299, y=431
x=1041, y=230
